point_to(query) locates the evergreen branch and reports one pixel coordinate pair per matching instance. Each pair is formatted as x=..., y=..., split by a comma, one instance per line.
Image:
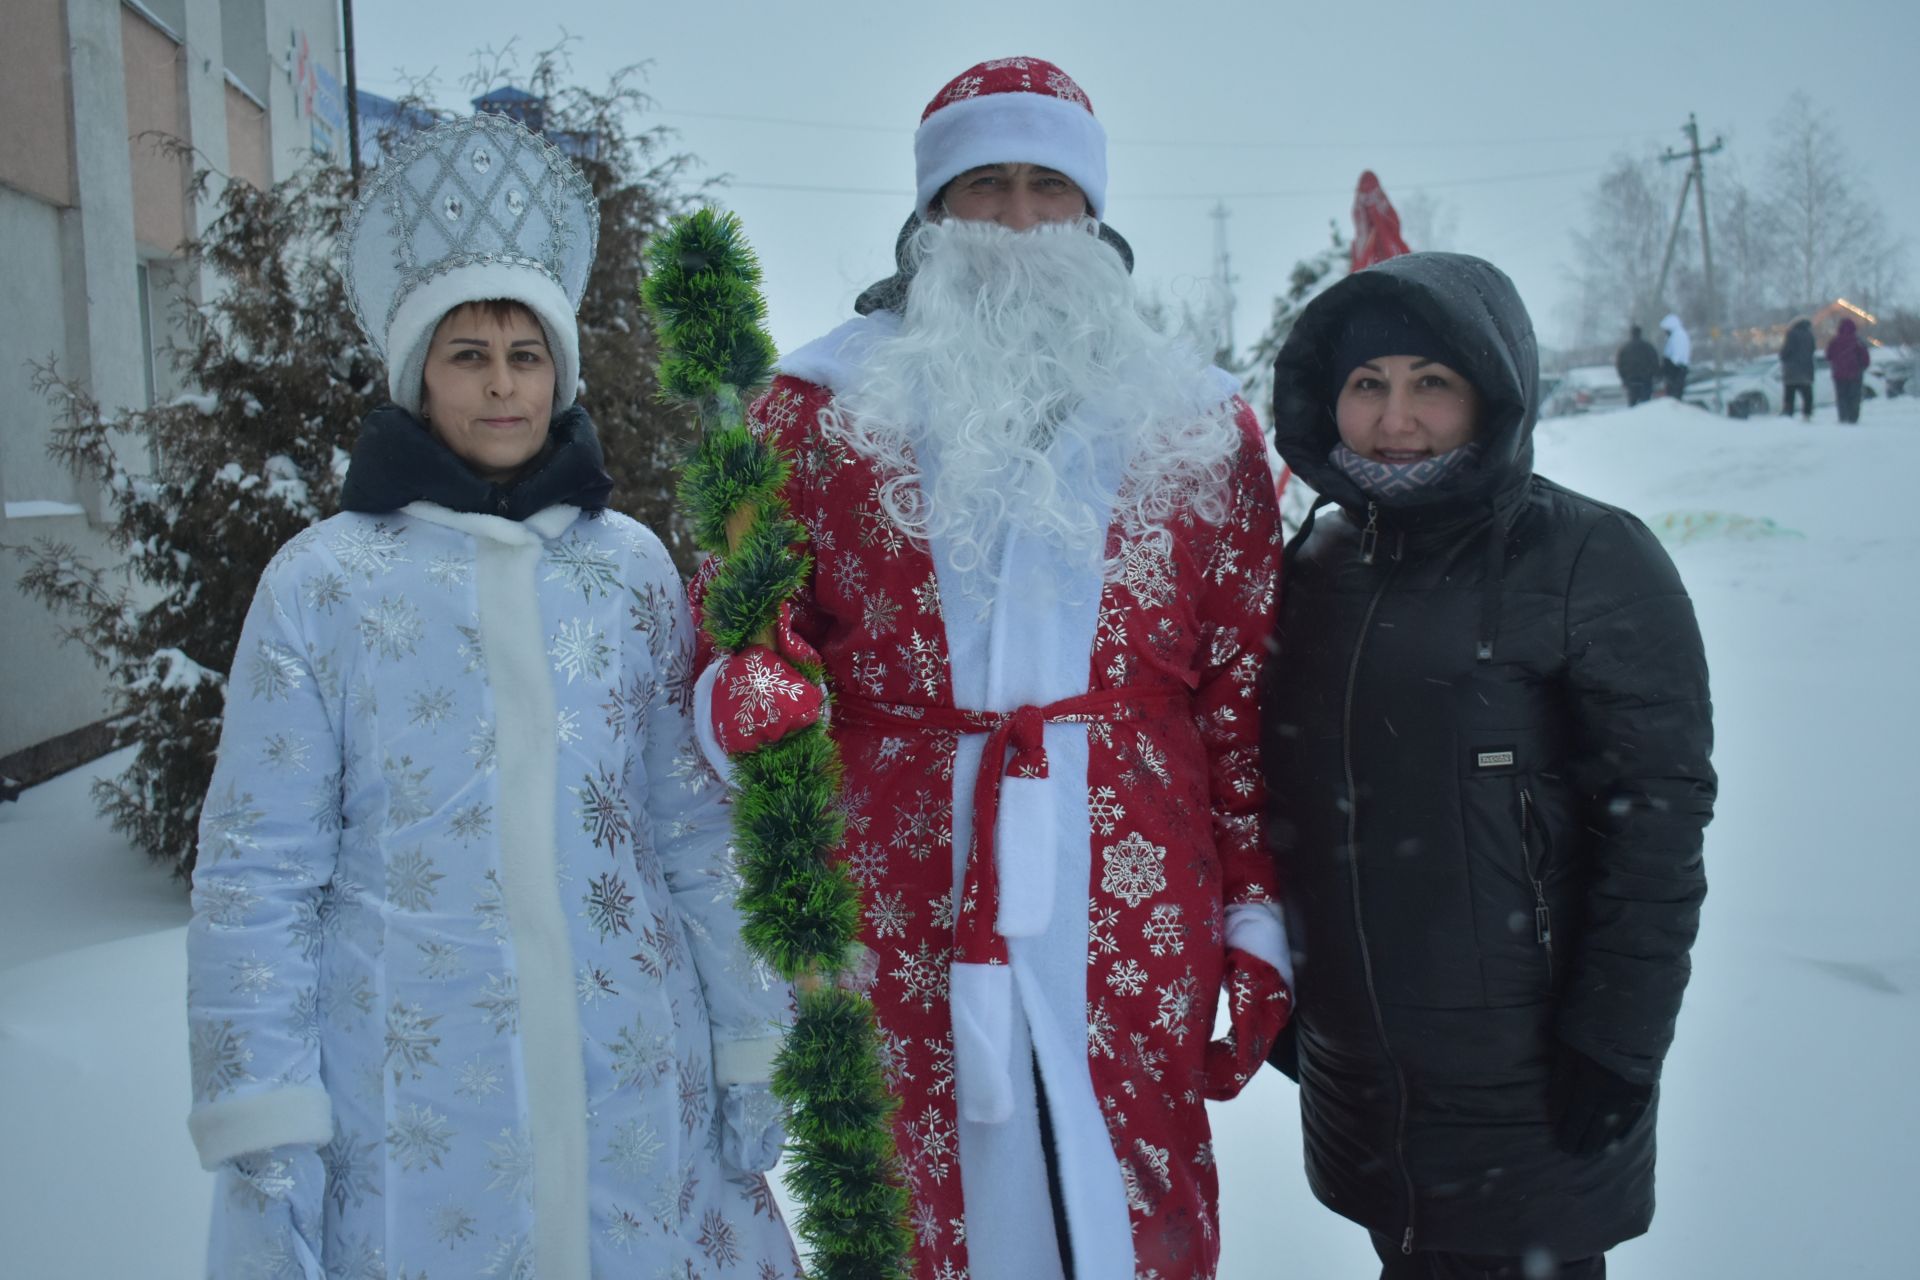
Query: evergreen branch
x=730, y=470
x=744, y=598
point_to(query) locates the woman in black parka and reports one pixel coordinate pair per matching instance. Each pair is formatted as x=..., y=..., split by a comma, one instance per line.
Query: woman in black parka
x=1487, y=743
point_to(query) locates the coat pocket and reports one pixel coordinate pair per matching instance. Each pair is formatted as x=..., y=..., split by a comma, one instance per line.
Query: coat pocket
x=1506, y=854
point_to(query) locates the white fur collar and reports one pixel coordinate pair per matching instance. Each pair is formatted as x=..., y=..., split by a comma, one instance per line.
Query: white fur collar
x=542, y=526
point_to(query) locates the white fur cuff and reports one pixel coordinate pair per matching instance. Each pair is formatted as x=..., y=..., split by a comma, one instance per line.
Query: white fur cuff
x=1257, y=929
x=745, y=1061
x=297, y=1115
x=703, y=719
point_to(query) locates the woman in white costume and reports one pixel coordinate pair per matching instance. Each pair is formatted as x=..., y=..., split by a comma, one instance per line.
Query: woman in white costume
x=467, y=991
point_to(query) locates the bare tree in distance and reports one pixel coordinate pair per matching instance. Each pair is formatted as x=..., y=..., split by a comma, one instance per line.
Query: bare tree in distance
x=1617, y=252
x=1830, y=234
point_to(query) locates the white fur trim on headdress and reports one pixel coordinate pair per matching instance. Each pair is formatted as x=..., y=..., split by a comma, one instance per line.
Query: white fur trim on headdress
x=1010, y=128
x=411, y=331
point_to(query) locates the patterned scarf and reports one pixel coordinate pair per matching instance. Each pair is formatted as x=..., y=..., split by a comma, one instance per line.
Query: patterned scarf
x=1386, y=481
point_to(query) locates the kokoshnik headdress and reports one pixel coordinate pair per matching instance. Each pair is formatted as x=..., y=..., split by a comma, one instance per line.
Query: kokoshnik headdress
x=470, y=210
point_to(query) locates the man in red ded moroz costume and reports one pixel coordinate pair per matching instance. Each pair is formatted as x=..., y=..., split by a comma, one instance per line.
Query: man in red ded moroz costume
x=1044, y=538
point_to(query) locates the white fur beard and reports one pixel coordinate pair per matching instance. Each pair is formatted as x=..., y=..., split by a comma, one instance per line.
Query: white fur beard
x=1021, y=356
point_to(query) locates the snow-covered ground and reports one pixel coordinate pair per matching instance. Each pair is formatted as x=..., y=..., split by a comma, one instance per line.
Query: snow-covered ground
x=1790, y=1115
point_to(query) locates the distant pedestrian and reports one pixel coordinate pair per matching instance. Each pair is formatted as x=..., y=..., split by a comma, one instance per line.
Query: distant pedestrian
x=1638, y=364
x=1847, y=360
x=1676, y=356
x=1796, y=368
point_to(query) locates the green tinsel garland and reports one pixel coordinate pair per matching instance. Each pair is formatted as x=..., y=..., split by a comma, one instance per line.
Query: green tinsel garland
x=802, y=911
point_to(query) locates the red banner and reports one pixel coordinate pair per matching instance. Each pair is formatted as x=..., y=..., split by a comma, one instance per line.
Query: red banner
x=1376, y=227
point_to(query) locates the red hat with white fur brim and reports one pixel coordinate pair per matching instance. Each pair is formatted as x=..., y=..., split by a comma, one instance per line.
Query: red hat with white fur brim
x=1010, y=111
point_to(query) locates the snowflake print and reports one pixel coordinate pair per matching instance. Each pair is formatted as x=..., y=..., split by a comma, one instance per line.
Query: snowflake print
x=418, y=1137
x=1165, y=932
x=1105, y=810
x=1127, y=978
x=940, y=912
x=1177, y=1000
x=632, y=1151
x=251, y=976
x=867, y=864
x=1256, y=593
x=410, y=1045
x=1146, y=570
x=877, y=529
x=601, y=805
x=452, y=1225
x=1111, y=631
x=850, y=575
x=926, y=828
x=887, y=915
x=439, y=960
x=924, y=975
x=921, y=656
x=579, y=650
x=511, y=1259
x=925, y=1223
x=585, y=568
x=220, y=1058
x=867, y=672
x=430, y=708
x=1144, y=1057
x=926, y=597
x=759, y=689
x=964, y=87
x=477, y=1079
x=449, y=570
x=499, y=1003
x=640, y=1059
x=369, y=552
x=227, y=823
x=1100, y=1031
x=609, y=905
x=276, y=671
x=1102, y=926
x=406, y=791
x=933, y=1141
x=1134, y=869
x=893, y=1051
x=594, y=984
x=324, y=592
x=473, y=822
x=624, y=1228
x=510, y=1159
x=350, y=1168
x=717, y=1239
x=695, y=1093
x=286, y=752
x=1145, y=760
x=490, y=905
x=660, y=947
x=470, y=650
x=941, y=1062
x=391, y=628
x=225, y=903
x=879, y=614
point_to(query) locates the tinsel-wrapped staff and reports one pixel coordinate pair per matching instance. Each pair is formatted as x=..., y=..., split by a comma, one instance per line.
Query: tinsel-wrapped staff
x=802, y=911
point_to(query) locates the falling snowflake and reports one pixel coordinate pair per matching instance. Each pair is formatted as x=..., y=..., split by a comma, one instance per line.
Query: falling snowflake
x=923, y=975
x=609, y=905
x=887, y=915
x=409, y=1045
x=1127, y=978
x=277, y=671
x=418, y=1136
x=499, y=1003
x=717, y=1239
x=287, y=752
x=579, y=650
x=430, y=708
x=600, y=803
x=220, y=1058
x=1164, y=930
x=369, y=551
x=1105, y=810
x=631, y=1152
x=449, y=570
x=588, y=569
x=1134, y=869
x=391, y=628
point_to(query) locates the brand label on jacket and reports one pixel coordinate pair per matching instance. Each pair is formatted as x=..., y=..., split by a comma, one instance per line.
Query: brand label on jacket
x=1502, y=759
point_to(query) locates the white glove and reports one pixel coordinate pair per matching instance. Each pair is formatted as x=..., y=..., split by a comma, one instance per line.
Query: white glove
x=267, y=1214
x=752, y=1128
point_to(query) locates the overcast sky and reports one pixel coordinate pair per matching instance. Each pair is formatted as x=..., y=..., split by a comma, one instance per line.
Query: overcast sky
x=1500, y=116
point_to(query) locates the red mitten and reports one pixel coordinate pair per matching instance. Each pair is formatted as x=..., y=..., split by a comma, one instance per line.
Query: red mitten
x=1258, y=1006
x=758, y=697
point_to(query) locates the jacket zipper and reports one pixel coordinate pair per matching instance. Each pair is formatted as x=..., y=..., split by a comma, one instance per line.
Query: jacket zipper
x=1542, y=915
x=1369, y=539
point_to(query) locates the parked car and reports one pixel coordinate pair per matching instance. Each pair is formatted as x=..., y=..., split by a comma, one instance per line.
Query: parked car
x=1753, y=387
x=1592, y=388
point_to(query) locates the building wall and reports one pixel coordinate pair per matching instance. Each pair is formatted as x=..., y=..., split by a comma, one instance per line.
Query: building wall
x=92, y=215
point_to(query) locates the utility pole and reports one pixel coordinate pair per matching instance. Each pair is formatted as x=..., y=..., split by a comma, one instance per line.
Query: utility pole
x=353, y=95
x=1696, y=185
x=1223, y=278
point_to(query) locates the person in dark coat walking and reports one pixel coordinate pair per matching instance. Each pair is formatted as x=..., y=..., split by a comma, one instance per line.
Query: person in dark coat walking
x=1487, y=745
x=1847, y=360
x=1638, y=364
x=1796, y=369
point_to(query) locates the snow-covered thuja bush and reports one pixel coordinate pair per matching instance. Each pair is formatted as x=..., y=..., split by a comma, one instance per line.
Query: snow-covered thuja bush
x=203, y=490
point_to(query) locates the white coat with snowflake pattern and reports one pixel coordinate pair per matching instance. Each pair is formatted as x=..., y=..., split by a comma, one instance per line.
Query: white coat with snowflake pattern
x=465, y=975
